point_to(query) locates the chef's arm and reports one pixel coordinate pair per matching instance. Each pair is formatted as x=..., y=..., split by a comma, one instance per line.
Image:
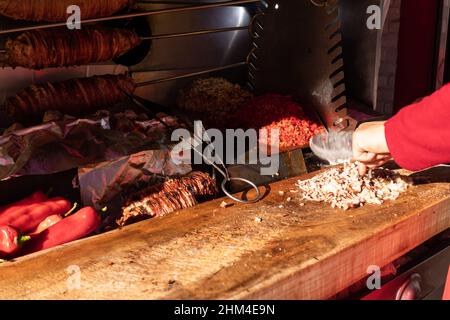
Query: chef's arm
x=418, y=137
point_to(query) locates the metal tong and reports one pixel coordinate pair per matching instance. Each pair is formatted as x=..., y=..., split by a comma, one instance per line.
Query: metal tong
x=149, y=106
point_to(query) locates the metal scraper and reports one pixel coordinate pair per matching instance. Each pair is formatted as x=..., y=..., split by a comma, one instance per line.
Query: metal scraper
x=333, y=146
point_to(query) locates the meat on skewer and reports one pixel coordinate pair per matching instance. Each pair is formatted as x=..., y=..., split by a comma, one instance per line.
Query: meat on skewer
x=172, y=195
x=74, y=97
x=56, y=10
x=39, y=49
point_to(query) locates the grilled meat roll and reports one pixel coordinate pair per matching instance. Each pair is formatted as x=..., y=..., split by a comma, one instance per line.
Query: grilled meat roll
x=56, y=10
x=74, y=97
x=172, y=195
x=39, y=49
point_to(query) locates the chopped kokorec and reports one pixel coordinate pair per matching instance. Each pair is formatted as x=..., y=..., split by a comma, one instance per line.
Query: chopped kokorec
x=344, y=188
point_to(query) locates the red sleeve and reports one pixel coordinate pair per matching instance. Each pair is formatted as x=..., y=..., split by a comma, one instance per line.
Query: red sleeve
x=418, y=137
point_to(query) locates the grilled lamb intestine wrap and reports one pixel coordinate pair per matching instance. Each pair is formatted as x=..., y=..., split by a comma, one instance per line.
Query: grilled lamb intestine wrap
x=39, y=49
x=56, y=10
x=170, y=196
x=71, y=97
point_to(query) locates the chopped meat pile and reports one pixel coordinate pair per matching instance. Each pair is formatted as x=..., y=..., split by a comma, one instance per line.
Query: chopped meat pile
x=274, y=111
x=170, y=196
x=214, y=100
x=344, y=188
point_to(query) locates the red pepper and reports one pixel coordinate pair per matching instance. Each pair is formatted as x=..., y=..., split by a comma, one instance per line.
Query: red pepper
x=74, y=227
x=47, y=223
x=26, y=217
x=50, y=221
x=36, y=197
x=10, y=241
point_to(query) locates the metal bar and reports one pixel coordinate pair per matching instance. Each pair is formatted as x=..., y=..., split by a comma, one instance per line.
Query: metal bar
x=442, y=44
x=193, y=74
x=194, y=33
x=184, y=34
x=134, y=15
x=171, y=2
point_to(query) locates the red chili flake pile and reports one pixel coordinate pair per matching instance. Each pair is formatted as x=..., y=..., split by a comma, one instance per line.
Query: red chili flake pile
x=275, y=111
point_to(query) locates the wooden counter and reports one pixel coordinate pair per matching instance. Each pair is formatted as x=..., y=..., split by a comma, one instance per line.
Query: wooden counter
x=206, y=252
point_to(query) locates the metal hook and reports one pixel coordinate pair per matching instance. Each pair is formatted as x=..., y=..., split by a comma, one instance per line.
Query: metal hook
x=252, y=32
x=251, y=54
x=324, y=3
x=250, y=183
x=222, y=169
x=224, y=172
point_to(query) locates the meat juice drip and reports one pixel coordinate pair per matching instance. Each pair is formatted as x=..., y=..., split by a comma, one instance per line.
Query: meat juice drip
x=342, y=187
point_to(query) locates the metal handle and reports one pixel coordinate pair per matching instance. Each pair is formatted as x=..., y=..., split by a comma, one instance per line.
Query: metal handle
x=411, y=289
x=229, y=195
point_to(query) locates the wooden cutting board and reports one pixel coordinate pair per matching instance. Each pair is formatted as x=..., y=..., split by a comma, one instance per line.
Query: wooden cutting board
x=275, y=249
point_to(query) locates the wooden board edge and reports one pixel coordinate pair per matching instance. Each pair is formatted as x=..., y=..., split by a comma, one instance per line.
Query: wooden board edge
x=332, y=274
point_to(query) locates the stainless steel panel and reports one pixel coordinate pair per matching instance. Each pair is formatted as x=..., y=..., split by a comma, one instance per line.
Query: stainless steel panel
x=167, y=57
x=299, y=54
x=432, y=276
x=359, y=45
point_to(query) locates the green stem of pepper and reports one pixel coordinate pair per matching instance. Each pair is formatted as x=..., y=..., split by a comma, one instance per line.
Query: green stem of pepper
x=68, y=213
x=22, y=239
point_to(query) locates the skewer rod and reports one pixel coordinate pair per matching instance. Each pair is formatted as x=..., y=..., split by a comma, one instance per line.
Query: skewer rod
x=171, y=2
x=194, y=33
x=193, y=74
x=183, y=34
x=134, y=15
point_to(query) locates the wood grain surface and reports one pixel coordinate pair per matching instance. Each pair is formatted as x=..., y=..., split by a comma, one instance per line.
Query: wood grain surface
x=276, y=249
